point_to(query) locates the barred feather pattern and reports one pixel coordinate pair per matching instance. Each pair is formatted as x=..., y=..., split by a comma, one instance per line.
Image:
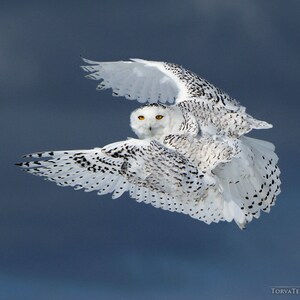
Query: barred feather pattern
x=245, y=170
x=228, y=123
x=190, y=125
x=250, y=181
x=148, y=170
x=198, y=87
x=207, y=179
x=205, y=153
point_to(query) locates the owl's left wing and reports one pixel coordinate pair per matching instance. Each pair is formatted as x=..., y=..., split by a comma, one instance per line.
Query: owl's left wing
x=148, y=170
x=154, y=81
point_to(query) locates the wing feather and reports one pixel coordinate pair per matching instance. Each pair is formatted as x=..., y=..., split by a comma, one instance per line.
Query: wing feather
x=210, y=180
x=152, y=81
x=148, y=170
x=156, y=83
x=164, y=82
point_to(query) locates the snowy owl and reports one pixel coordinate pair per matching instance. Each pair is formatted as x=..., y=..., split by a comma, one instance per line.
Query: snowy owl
x=190, y=157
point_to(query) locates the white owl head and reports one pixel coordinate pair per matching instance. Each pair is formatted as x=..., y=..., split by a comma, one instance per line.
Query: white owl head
x=151, y=121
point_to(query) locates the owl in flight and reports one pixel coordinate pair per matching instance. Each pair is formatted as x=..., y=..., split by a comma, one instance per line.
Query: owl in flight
x=191, y=156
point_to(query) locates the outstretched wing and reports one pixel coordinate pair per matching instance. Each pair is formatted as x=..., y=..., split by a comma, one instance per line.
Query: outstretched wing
x=152, y=81
x=148, y=170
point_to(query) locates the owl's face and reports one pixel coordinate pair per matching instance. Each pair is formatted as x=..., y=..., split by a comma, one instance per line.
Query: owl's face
x=151, y=121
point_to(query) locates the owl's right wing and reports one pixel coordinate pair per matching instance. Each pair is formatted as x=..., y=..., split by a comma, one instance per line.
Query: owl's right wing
x=246, y=171
x=148, y=170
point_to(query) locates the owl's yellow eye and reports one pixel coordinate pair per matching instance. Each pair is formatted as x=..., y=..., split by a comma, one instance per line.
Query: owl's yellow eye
x=141, y=117
x=159, y=117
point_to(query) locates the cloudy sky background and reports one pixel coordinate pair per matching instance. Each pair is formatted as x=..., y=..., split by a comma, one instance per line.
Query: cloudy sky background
x=56, y=243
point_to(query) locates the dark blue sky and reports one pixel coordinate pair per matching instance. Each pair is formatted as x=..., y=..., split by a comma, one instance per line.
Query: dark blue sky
x=56, y=243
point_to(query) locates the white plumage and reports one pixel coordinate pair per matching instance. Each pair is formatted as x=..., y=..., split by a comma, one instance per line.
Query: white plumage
x=191, y=156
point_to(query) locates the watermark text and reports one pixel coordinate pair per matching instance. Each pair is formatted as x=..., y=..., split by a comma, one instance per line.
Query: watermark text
x=285, y=290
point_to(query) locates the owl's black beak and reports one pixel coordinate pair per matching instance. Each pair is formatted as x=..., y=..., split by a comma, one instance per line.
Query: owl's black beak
x=150, y=128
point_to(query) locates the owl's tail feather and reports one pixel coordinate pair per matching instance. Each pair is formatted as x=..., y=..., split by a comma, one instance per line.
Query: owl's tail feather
x=250, y=181
x=258, y=124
